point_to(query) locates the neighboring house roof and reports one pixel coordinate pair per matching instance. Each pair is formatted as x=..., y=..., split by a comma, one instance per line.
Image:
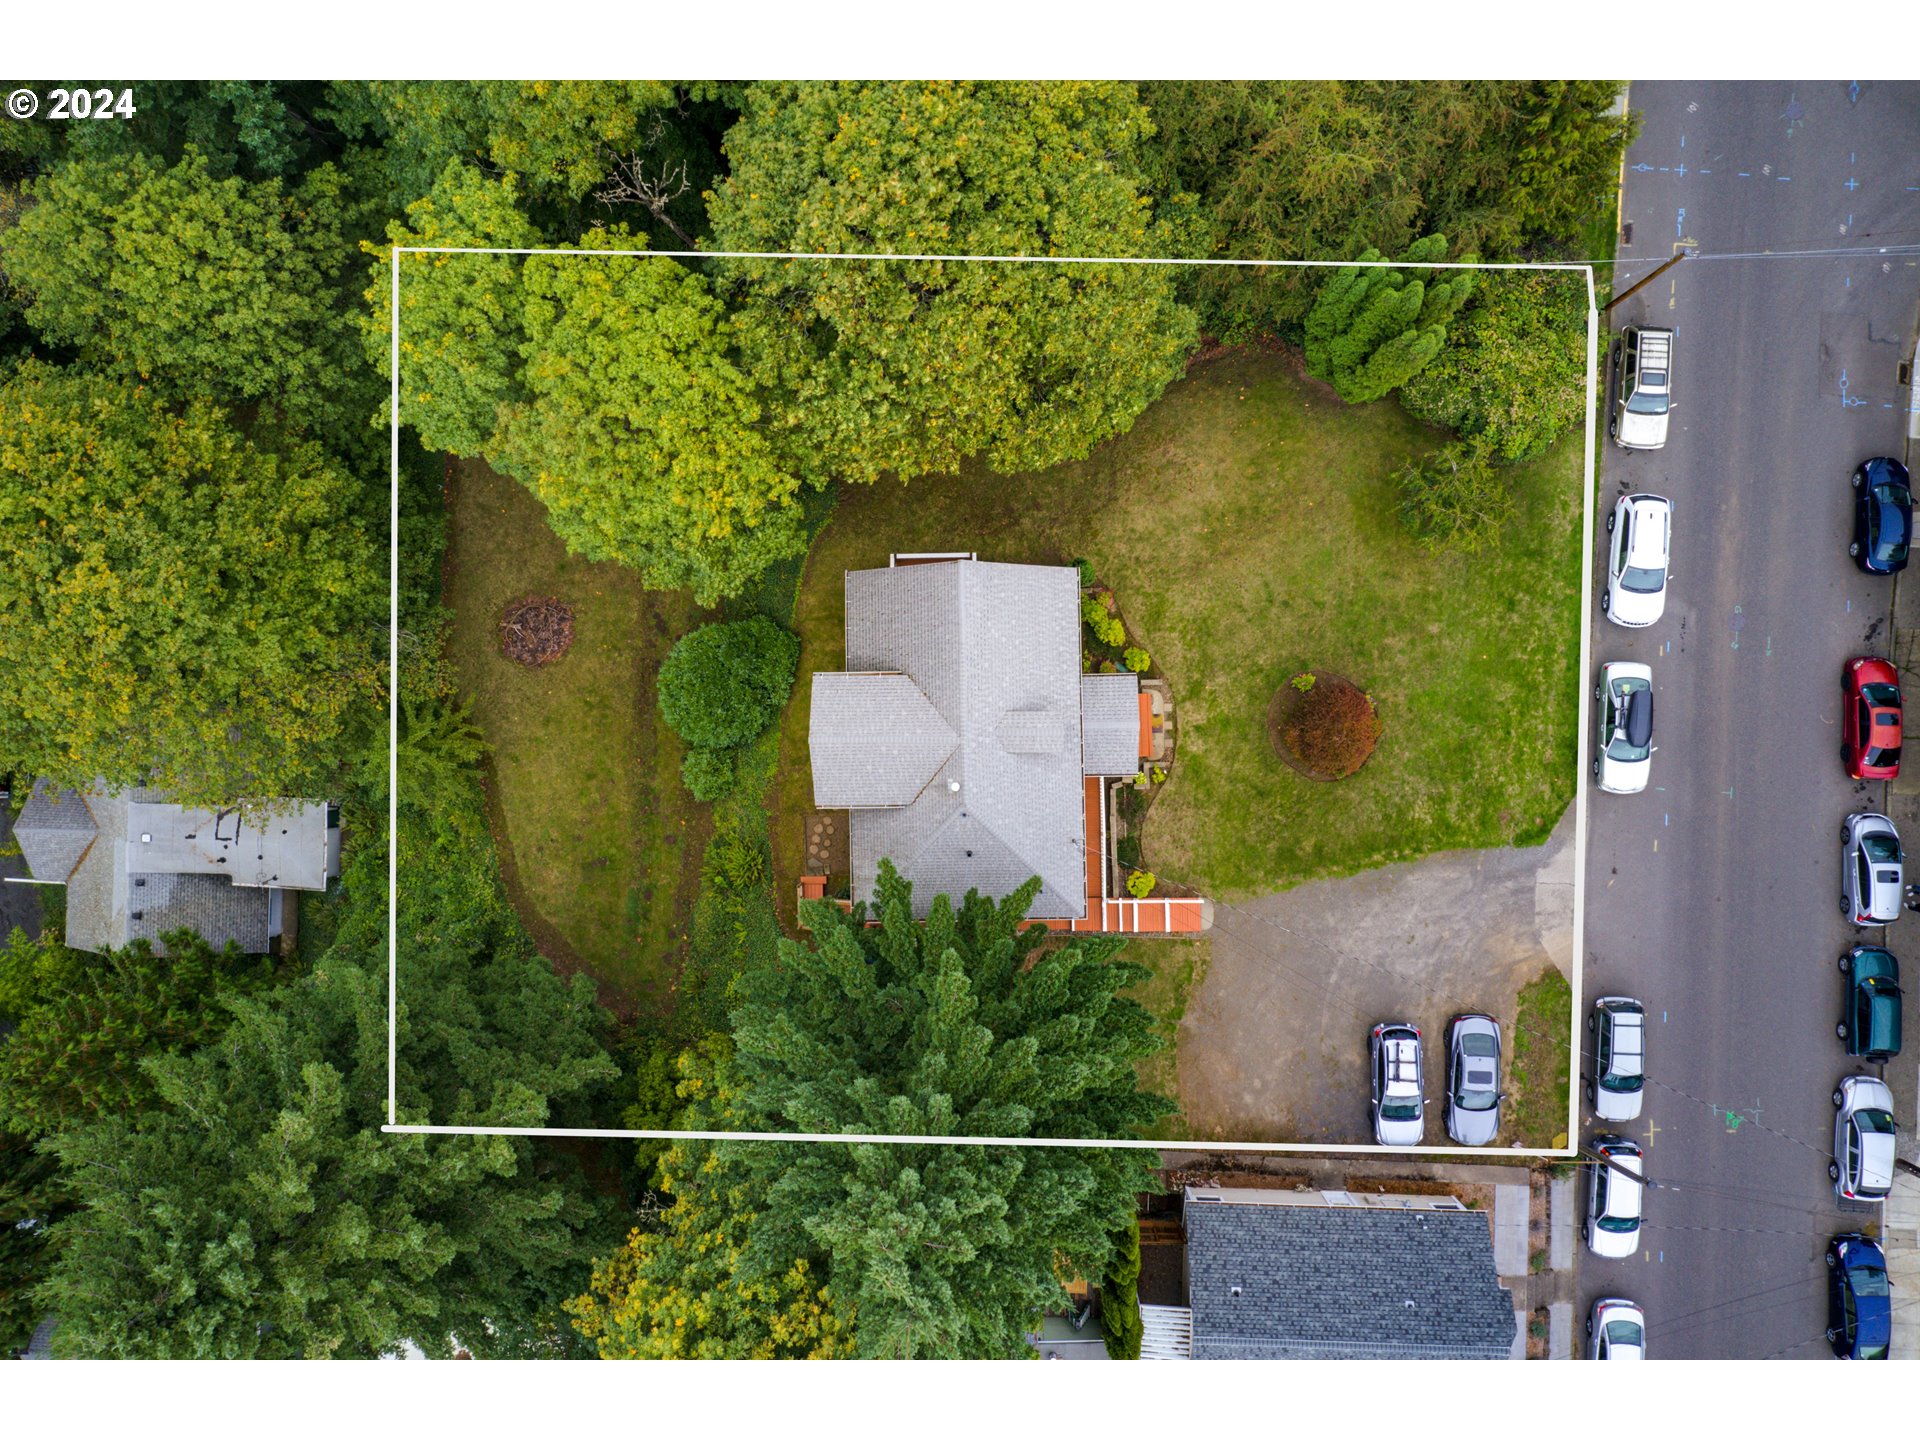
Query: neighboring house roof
x=148, y=866
x=1110, y=724
x=54, y=830
x=994, y=650
x=1326, y=1283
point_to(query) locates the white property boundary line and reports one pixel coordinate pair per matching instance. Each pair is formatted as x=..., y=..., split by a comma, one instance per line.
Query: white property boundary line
x=1267, y=1147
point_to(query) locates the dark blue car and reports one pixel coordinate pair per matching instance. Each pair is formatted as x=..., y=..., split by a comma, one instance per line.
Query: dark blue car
x=1859, y=1303
x=1882, y=516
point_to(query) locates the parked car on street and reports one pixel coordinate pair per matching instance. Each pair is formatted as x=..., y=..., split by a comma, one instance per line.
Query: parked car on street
x=1473, y=1079
x=1614, y=1199
x=1882, y=516
x=1623, y=761
x=1862, y=1167
x=1642, y=531
x=1642, y=388
x=1859, y=1299
x=1399, y=1092
x=1870, y=1006
x=1618, y=1329
x=1872, y=865
x=1619, y=1029
x=1870, y=719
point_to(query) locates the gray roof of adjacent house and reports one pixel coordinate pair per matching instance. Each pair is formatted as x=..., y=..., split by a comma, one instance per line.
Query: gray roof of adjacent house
x=1328, y=1283
x=955, y=736
x=136, y=866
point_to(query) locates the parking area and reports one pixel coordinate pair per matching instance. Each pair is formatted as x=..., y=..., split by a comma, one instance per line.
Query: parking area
x=1273, y=1046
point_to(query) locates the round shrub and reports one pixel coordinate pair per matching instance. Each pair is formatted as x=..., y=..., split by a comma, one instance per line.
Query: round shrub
x=1331, y=729
x=723, y=684
x=1140, y=884
x=1136, y=659
x=708, y=774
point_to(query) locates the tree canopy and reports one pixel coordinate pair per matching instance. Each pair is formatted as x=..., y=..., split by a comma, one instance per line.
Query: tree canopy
x=182, y=606
x=907, y=367
x=1372, y=327
x=461, y=316
x=1319, y=169
x=640, y=432
x=198, y=285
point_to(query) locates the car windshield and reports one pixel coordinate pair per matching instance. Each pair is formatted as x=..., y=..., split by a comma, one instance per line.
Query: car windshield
x=1642, y=580
x=1641, y=403
x=1623, y=1332
x=1620, y=1224
x=1874, y=1122
x=1478, y=1042
x=1882, y=755
x=1881, y=697
x=1870, y=1281
x=1880, y=848
x=1399, y=1109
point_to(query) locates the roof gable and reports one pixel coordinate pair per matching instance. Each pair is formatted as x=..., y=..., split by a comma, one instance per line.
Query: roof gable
x=874, y=739
x=55, y=830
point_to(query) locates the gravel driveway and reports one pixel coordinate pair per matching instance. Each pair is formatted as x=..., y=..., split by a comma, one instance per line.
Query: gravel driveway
x=1274, y=1044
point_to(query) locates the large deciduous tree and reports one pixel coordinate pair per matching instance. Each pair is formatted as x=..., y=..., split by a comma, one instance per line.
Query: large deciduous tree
x=461, y=320
x=1513, y=373
x=910, y=366
x=641, y=433
x=199, y=285
x=181, y=606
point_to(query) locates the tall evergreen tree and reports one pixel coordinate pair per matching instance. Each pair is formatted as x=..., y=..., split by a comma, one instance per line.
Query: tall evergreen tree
x=1373, y=328
x=955, y=1027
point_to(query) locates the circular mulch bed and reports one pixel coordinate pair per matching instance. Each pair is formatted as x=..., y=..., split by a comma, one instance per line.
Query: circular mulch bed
x=537, y=630
x=1285, y=709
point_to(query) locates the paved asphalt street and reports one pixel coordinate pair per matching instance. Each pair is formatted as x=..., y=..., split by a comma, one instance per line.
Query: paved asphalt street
x=1713, y=897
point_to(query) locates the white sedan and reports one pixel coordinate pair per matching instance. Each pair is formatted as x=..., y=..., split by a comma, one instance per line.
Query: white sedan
x=1624, y=697
x=1618, y=1329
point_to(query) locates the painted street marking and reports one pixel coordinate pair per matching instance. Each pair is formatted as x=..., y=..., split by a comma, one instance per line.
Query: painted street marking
x=1853, y=92
x=1769, y=647
x=1681, y=171
x=1783, y=177
x=1665, y=820
x=1643, y=168
x=1848, y=399
x=1680, y=223
x=1706, y=172
x=1852, y=184
x=1739, y=623
x=1746, y=174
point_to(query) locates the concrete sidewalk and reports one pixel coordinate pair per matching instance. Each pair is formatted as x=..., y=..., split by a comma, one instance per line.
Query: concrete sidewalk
x=1900, y=1238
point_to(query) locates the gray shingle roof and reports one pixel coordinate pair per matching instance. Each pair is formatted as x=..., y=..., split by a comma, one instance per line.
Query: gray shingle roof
x=54, y=830
x=874, y=740
x=150, y=866
x=1334, y=1284
x=995, y=651
x=1110, y=724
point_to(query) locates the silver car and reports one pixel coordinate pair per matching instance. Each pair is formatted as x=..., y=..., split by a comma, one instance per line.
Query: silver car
x=1623, y=699
x=1473, y=1079
x=1871, y=869
x=1619, y=1029
x=1399, y=1093
x=1614, y=1198
x=1863, y=1127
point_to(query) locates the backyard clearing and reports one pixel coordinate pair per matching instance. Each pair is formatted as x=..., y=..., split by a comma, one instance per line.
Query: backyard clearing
x=599, y=841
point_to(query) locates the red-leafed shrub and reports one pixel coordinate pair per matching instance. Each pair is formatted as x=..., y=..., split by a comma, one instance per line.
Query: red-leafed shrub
x=1325, y=724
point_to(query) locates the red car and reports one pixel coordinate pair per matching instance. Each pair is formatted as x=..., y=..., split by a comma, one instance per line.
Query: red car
x=1870, y=719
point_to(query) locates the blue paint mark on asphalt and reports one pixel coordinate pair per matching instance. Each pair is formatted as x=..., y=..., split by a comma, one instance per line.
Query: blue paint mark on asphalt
x=1706, y=172
x=1852, y=184
x=1643, y=168
x=1848, y=400
x=1664, y=169
x=1663, y=1017
x=1853, y=93
x=1683, y=142
x=1681, y=171
x=1783, y=177
x=1679, y=222
x=1665, y=821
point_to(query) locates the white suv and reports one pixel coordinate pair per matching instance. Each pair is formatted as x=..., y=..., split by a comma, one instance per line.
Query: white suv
x=1642, y=531
x=1399, y=1093
x=1619, y=1029
x=1614, y=1199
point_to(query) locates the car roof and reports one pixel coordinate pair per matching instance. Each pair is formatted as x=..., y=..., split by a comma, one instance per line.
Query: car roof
x=1876, y=1159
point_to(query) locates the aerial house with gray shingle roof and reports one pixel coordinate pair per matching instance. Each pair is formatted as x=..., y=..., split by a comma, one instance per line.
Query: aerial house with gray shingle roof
x=1318, y=1275
x=136, y=866
x=968, y=748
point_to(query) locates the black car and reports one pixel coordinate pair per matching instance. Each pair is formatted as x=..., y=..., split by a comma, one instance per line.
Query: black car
x=1859, y=1301
x=1882, y=516
x=1870, y=1006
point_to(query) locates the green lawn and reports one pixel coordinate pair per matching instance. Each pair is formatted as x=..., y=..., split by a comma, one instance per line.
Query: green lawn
x=1178, y=968
x=1539, y=1072
x=1247, y=526
x=598, y=839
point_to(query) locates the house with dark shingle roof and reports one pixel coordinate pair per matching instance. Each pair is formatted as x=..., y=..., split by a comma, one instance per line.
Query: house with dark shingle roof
x=968, y=748
x=136, y=866
x=1284, y=1275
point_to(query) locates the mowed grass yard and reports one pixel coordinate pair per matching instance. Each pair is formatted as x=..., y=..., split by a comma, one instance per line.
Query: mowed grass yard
x=1248, y=527
x=599, y=840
